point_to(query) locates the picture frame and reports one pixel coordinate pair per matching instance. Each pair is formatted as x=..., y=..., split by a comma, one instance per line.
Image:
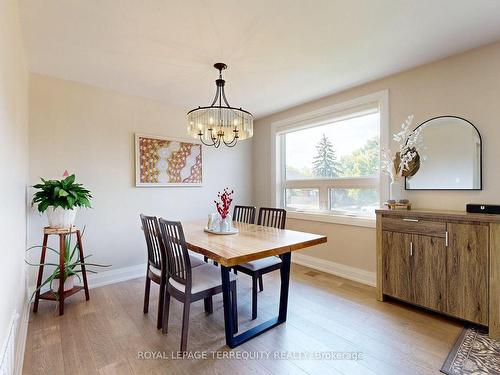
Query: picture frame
x=162, y=161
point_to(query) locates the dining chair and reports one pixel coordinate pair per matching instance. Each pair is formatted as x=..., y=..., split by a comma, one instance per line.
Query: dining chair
x=156, y=270
x=270, y=217
x=187, y=284
x=242, y=214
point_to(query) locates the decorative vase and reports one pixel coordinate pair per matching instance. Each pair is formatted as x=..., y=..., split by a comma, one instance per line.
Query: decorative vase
x=69, y=283
x=226, y=223
x=60, y=218
x=397, y=190
x=215, y=222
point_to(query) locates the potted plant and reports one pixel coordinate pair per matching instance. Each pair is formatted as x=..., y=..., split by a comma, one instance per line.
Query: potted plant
x=60, y=199
x=72, y=267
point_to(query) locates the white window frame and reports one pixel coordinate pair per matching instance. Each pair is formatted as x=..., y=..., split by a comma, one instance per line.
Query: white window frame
x=317, y=118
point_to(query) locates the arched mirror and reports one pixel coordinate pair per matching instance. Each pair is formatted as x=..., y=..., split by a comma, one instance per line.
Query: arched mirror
x=451, y=157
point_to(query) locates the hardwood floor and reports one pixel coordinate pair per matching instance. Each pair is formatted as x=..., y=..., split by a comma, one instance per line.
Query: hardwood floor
x=109, y=333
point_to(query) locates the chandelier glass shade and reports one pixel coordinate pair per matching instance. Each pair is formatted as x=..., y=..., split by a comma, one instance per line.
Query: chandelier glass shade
x=220, y=123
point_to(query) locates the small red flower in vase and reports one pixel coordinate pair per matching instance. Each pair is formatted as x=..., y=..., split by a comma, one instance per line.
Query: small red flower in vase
x=223, y=208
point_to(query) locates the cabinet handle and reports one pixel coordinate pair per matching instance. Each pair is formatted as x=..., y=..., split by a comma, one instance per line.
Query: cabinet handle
x=446, y=239
x=412, y=220
x=411, y=248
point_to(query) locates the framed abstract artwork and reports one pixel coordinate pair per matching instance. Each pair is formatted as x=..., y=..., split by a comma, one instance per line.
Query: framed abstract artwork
x=165, y=161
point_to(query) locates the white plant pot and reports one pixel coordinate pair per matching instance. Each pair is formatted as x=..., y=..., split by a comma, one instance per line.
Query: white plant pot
x=61, y=218
x=68, y=284
x=397, y=191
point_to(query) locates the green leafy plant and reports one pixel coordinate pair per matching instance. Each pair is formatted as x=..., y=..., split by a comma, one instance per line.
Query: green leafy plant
x=72, y=264
x=63, y=193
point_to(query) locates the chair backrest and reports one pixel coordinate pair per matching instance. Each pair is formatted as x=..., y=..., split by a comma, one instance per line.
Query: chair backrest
x=179, y=265
x=272, y=217
x=156, y=251
x=244, y=214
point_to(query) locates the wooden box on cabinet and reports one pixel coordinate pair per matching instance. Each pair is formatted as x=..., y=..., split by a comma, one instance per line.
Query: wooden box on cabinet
x=446, y=261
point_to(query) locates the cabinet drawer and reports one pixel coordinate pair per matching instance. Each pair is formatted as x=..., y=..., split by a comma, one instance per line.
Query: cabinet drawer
x=414, y=226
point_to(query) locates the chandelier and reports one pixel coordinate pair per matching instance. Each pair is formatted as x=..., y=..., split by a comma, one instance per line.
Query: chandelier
x=220, y=123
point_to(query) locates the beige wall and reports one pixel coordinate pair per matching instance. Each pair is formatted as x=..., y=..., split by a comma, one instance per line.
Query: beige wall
x=13, y=165
x=466, y=85
x=90, y=131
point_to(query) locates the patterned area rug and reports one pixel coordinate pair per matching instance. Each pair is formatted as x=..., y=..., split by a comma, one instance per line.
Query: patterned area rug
x=473, y=353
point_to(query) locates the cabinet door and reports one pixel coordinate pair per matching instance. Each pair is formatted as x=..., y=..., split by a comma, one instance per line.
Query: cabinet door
x=467, y=272
x=396, y=264
x=428, y=272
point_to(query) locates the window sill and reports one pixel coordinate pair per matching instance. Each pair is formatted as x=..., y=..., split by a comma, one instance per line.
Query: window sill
x=367, y=222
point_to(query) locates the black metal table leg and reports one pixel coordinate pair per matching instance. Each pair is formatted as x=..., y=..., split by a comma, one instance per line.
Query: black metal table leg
x=234, y=341
x=228, y=306
x=285, y=281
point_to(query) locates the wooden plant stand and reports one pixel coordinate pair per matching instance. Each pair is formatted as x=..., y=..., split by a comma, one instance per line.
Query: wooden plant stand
x=50, y=295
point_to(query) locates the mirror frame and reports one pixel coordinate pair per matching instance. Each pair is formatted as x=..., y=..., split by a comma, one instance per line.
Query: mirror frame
x=480, y=155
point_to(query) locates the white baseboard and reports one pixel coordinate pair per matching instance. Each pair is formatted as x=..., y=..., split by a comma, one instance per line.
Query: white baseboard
x=22, y=334
x=8, y=347
x=337, y=269
x=113, y=276
x=96, y=280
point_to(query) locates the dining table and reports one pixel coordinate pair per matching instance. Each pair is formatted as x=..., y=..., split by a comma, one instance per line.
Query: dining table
x=252, y=242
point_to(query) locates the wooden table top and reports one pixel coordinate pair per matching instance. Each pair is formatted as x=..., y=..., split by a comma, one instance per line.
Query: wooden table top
x=251, y=243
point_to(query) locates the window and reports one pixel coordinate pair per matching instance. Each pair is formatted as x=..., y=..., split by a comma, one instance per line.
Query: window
x=330, y=164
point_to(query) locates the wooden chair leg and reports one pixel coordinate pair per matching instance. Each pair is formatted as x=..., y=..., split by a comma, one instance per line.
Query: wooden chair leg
x=166, y=310
x=146, y=293
x=261, y=283
x=209, y=306
x=234, y=301
x=185, y=324
x=254, y=297
x=159, y=318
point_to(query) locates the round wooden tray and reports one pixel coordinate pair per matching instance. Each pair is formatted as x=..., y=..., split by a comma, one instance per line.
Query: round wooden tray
x=232, y=231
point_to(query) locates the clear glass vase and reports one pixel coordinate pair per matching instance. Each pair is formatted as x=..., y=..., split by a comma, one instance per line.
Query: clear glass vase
x=226, y=224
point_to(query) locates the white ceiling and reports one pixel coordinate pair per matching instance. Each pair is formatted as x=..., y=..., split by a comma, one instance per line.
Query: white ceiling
x=280, y=52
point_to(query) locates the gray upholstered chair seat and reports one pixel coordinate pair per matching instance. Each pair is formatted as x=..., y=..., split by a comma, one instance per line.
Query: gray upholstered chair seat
x=259, y=264
x=195, y=262
x=155, y=270
x=204, y=277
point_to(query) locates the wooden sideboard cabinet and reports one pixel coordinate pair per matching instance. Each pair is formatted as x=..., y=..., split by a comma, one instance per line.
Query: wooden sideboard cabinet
x=446, y=261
